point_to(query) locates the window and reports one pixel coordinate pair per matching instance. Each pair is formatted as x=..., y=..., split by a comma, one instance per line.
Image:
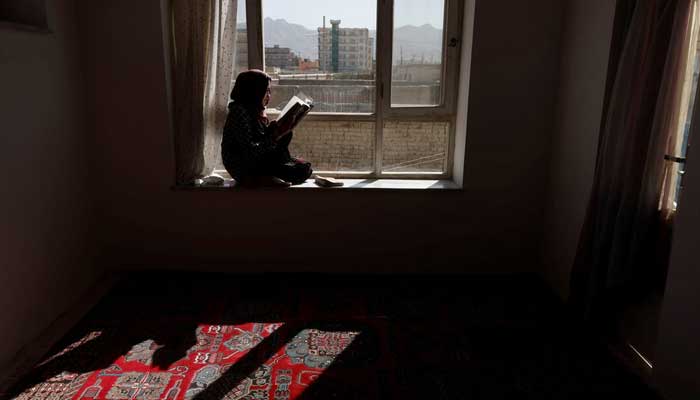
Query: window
x=375, y=70
x=241, y=62
x=416, y=78
x=676, y=160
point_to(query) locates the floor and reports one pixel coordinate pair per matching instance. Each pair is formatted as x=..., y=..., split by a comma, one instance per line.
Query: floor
x=639, y=323
x=328, y=337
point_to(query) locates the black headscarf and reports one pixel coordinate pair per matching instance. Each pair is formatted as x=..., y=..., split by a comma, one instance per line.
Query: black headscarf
x=250, y=89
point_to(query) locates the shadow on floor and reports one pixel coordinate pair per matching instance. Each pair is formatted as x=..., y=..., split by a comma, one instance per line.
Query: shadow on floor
x=322, y=337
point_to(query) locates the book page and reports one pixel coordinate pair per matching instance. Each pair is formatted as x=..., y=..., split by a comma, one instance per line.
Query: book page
x=294, y=100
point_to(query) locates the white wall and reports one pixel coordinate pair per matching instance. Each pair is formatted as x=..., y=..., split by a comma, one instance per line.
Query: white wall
x=44, y=253
x=584, y=66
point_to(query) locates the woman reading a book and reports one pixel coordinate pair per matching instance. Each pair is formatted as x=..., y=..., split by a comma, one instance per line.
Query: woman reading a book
x=254, y=150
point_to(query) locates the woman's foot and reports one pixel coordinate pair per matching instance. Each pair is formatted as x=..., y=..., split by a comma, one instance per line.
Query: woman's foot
x=273, y=181
x=264, y=181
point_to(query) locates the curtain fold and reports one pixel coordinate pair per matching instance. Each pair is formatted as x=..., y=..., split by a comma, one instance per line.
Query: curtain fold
x=204, y=37
x=623, y=229
x=219, y=85
x=676, y=144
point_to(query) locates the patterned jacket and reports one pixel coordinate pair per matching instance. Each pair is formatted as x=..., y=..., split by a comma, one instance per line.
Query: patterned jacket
x=247, y=144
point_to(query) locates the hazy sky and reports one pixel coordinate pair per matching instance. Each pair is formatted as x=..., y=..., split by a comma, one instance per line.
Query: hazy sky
x=353, y=13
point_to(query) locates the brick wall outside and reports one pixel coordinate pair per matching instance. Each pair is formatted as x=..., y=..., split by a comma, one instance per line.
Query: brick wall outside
x=411, y=146
x=349, y=145
x=335, y=145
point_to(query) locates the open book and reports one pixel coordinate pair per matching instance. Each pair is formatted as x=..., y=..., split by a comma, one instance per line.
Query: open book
x=295, y=110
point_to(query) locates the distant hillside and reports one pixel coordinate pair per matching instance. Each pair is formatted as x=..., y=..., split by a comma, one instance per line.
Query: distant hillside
x=418, y=42
x=302, y=41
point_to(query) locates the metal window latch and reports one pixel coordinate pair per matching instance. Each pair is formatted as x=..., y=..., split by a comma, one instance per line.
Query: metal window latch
x=453, y=42
x=681, y=172
x=679, y=160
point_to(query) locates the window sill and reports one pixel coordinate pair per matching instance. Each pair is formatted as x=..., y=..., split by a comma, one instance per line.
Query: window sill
x=349, y=185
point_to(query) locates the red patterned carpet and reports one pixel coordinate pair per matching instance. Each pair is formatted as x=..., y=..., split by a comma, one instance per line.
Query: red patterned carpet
x=285, y=375
x=276, y=337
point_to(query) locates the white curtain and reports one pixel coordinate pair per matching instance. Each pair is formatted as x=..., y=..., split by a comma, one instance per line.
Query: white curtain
x=624, y=241
x=204, y=39
x=676, y=122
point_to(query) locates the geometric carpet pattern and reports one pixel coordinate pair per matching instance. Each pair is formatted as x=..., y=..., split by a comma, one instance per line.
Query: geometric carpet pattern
x=134, y=376
x=273, y=337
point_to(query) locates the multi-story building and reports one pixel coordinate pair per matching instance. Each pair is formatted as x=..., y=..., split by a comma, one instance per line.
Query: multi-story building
x=344, y=49
x=242, y=49
x=280, y=57
x=306, y=65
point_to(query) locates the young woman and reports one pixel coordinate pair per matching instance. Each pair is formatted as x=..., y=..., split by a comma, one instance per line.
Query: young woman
x=255, y=151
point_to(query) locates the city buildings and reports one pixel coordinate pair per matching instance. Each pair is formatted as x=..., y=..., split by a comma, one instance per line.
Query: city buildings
x=281, y=57
x=242, y=49
x=344, y=49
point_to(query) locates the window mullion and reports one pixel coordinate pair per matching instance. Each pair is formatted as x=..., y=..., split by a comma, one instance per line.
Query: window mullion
x=452, y=46
x=254, y=26
x=385, y=23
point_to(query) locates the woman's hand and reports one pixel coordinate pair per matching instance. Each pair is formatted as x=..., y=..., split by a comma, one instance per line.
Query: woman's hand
x=283, y=129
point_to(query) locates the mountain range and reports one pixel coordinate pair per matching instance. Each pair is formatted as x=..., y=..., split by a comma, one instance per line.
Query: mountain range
x=413, y=42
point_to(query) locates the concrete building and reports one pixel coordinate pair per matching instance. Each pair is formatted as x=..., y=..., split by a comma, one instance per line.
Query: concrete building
x=241, y=49
x=280, y=57
x=306, y=65
x=344, y=49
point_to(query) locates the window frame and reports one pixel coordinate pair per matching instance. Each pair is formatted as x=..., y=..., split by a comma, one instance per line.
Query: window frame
x=383, y=111
x=676, y=160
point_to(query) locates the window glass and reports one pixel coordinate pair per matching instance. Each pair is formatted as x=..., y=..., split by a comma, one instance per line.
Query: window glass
x=324, y=49
x=342, y=146
x=415, y=146
x=417, y=64
x=241, y=63
x=675, y=168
